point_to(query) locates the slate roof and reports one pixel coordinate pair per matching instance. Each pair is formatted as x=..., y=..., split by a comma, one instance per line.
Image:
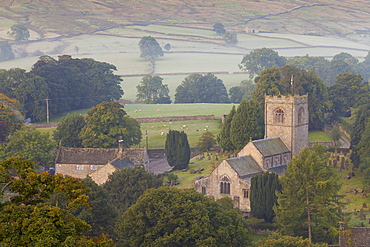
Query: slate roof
x=98, y=156
x=271, y=146
x=244, y=165
x=122, y=163
x=278, y=169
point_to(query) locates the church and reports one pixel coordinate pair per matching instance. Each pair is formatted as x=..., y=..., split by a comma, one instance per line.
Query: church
x=286, y=134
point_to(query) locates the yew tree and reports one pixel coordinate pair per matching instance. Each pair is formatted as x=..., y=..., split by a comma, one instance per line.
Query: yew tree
x=177, y=149
x=223, y=138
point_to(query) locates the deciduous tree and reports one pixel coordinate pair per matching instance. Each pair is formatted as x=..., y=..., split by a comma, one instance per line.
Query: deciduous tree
x=219, y=28
x=197, y=88
x=19, y=32
x=260, y=59
x=149, y=47
x=127, y=185
x=308, y=203
x=105, y=123
x=173, y=217
x=152, y=91
x=276, y=239
x=30, y=143
x=11, y=118
x=68, y=130
x=27, y=220
x=6, y=52
x=177, y=149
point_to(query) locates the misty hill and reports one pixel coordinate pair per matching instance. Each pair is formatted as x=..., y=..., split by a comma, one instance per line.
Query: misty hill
x=54, y=17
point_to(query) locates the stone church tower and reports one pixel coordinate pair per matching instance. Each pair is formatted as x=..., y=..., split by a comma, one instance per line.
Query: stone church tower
x=287, y=117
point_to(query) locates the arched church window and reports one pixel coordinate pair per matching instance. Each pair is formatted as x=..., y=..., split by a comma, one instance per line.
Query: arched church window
x=225, y=185
x=279, y=116
x=300, y=115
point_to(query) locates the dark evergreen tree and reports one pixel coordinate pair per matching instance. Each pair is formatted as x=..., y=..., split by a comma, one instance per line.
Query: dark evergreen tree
x=364, y=153
x=177, y=149
x=247, y=123
x=362, y=117
x=223, y=138
x=263, y=195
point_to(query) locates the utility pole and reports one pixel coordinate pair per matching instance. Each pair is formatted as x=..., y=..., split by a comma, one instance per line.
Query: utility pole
x=47, y=110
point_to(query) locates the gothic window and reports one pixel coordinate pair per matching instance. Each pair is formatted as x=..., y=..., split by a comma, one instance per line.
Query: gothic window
x=225, y=185
x=279, y=116
x=300, y=115
x=204, y=190
x=246, y=193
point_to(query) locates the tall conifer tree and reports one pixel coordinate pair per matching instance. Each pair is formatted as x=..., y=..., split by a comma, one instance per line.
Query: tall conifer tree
x=223, y=138
x=177, y=149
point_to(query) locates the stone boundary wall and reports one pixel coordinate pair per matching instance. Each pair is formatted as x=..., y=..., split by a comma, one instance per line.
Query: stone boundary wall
x=327, y=144
x=174, y=118
x=146, y=120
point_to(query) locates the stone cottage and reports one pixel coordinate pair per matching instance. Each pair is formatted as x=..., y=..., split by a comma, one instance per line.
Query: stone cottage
x=98, y=163
x=286, y=134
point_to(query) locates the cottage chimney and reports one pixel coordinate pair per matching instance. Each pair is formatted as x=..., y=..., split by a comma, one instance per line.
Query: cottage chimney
x=120, y=145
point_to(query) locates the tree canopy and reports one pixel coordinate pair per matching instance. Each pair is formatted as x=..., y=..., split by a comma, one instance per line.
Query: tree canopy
x=173, y=217
x=27, y=220
x=177, y=149
x=68, y=130
x=206, y=141
x=6, y=52
x=30, y=143
x=308, y=203
x=197, y=88
x=19, y=32
x=223, y=138
x=219, y=28
x=152, y=91
x=149, y=47
x=260, y=59
x=348, y=91
x=125, y=186
x=278, y=81
x=247, y=123
x=276, y=239
x=105, y=123
x=11, y=118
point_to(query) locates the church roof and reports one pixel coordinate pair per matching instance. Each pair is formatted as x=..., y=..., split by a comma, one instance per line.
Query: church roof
x=244, y=165
x=98, y=156
x=271, y=146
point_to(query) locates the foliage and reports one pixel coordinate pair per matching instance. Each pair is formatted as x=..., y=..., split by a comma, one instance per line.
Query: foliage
x=102, y=214
x=27, y=220
x=308, y=203
x=348, y=91
x=362, y=117
x=68, y=130
x=278, y=81
x=263, y=195
x=230, y=37
x=173, y=217
x=247, y=123
x=152, y=91
x=149, y=47
x=11, y=118
x=31, y=144
x=224, y=139
x=197, y=88
x=125, y=186
x=276, y=239
x=177, y=149
x=19, y=32
x=167, y=47
x=77, y=83
x=335, y=134
x=172, y=179
x=318, y=65
x=219, y=28
x=6, y=52
x=29, y=89
x=260, y=59
x=206, y=141
x=105, y=123
x=364, y=153
x=238, y=93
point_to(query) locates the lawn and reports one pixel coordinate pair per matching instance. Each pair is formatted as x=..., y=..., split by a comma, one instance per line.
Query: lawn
x=319, y=136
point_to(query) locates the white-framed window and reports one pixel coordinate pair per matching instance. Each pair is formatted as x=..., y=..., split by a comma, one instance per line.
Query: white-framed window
x=79, y=167
x=93, y=167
